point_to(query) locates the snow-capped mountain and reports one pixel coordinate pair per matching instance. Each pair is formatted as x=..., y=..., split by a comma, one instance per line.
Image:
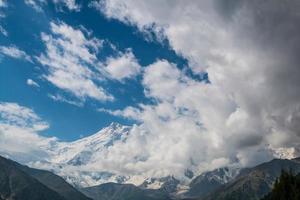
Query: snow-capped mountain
x=221, y=175
x=73, y=161
x=80, y=152
x=70, y=159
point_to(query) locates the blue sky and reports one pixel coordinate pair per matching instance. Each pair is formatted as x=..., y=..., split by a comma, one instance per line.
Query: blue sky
x=68, y=122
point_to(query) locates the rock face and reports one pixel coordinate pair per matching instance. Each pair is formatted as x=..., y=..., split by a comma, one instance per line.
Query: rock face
x=209, y=181
x=21, y=182
x=254, y=183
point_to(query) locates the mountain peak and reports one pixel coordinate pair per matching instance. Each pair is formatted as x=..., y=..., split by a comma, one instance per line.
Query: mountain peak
x=106, y=133
x=83, y=152
x=115, y=125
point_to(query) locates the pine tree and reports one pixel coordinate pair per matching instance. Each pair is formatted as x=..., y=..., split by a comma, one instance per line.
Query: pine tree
x=286, y=187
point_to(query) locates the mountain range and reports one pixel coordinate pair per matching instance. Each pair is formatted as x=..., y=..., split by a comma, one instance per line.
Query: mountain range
x=64, y=175
x=21, y=182
x=80, y=164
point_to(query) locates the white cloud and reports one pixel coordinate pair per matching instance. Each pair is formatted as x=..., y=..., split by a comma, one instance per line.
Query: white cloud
x=31, y=82
x=3, y=31
x=70, y=4
x=128, y=112
x=73, y=66
x=123, y=66
x=14, y=52
x=61, y=98
x=15, y=114
x=36, y=4
x=3, y=4
x=174, y=126
x=72, y=62
x=19, y=133
x=250, y=107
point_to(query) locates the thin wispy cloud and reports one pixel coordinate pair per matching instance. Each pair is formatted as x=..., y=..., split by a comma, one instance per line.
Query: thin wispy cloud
x=15, y=52
x=3, y=3
x=3, y=6
x=73, y=65
x=61, y=5
x=63, y=99
x=36, y=4
x=70, y=58
x=69, y=4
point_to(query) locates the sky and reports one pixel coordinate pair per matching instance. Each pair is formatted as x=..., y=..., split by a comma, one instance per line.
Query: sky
x=209, y=83
x=71, y=114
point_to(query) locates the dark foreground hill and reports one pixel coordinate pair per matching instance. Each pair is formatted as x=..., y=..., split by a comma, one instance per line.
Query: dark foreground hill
x=18, y=182
x=115, y=191
x=15, y=184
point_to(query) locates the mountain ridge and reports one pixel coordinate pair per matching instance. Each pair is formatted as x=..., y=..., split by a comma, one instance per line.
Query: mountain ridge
x=254, y=183
x=19, y=182
x=15, y=184
x=45, y=178
x=72, y=160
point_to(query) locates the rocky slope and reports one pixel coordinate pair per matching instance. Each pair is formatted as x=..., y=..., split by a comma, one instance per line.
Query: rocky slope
x=15, y=184
x=207, y=182
x=254, y=183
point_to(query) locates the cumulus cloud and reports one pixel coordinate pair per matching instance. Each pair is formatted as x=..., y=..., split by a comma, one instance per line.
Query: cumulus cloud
x=19, y=133
x=14, y=52
x=71, y=62
x=249, y=109
x=31, y=82
x=174, y=126
x=124, y=66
